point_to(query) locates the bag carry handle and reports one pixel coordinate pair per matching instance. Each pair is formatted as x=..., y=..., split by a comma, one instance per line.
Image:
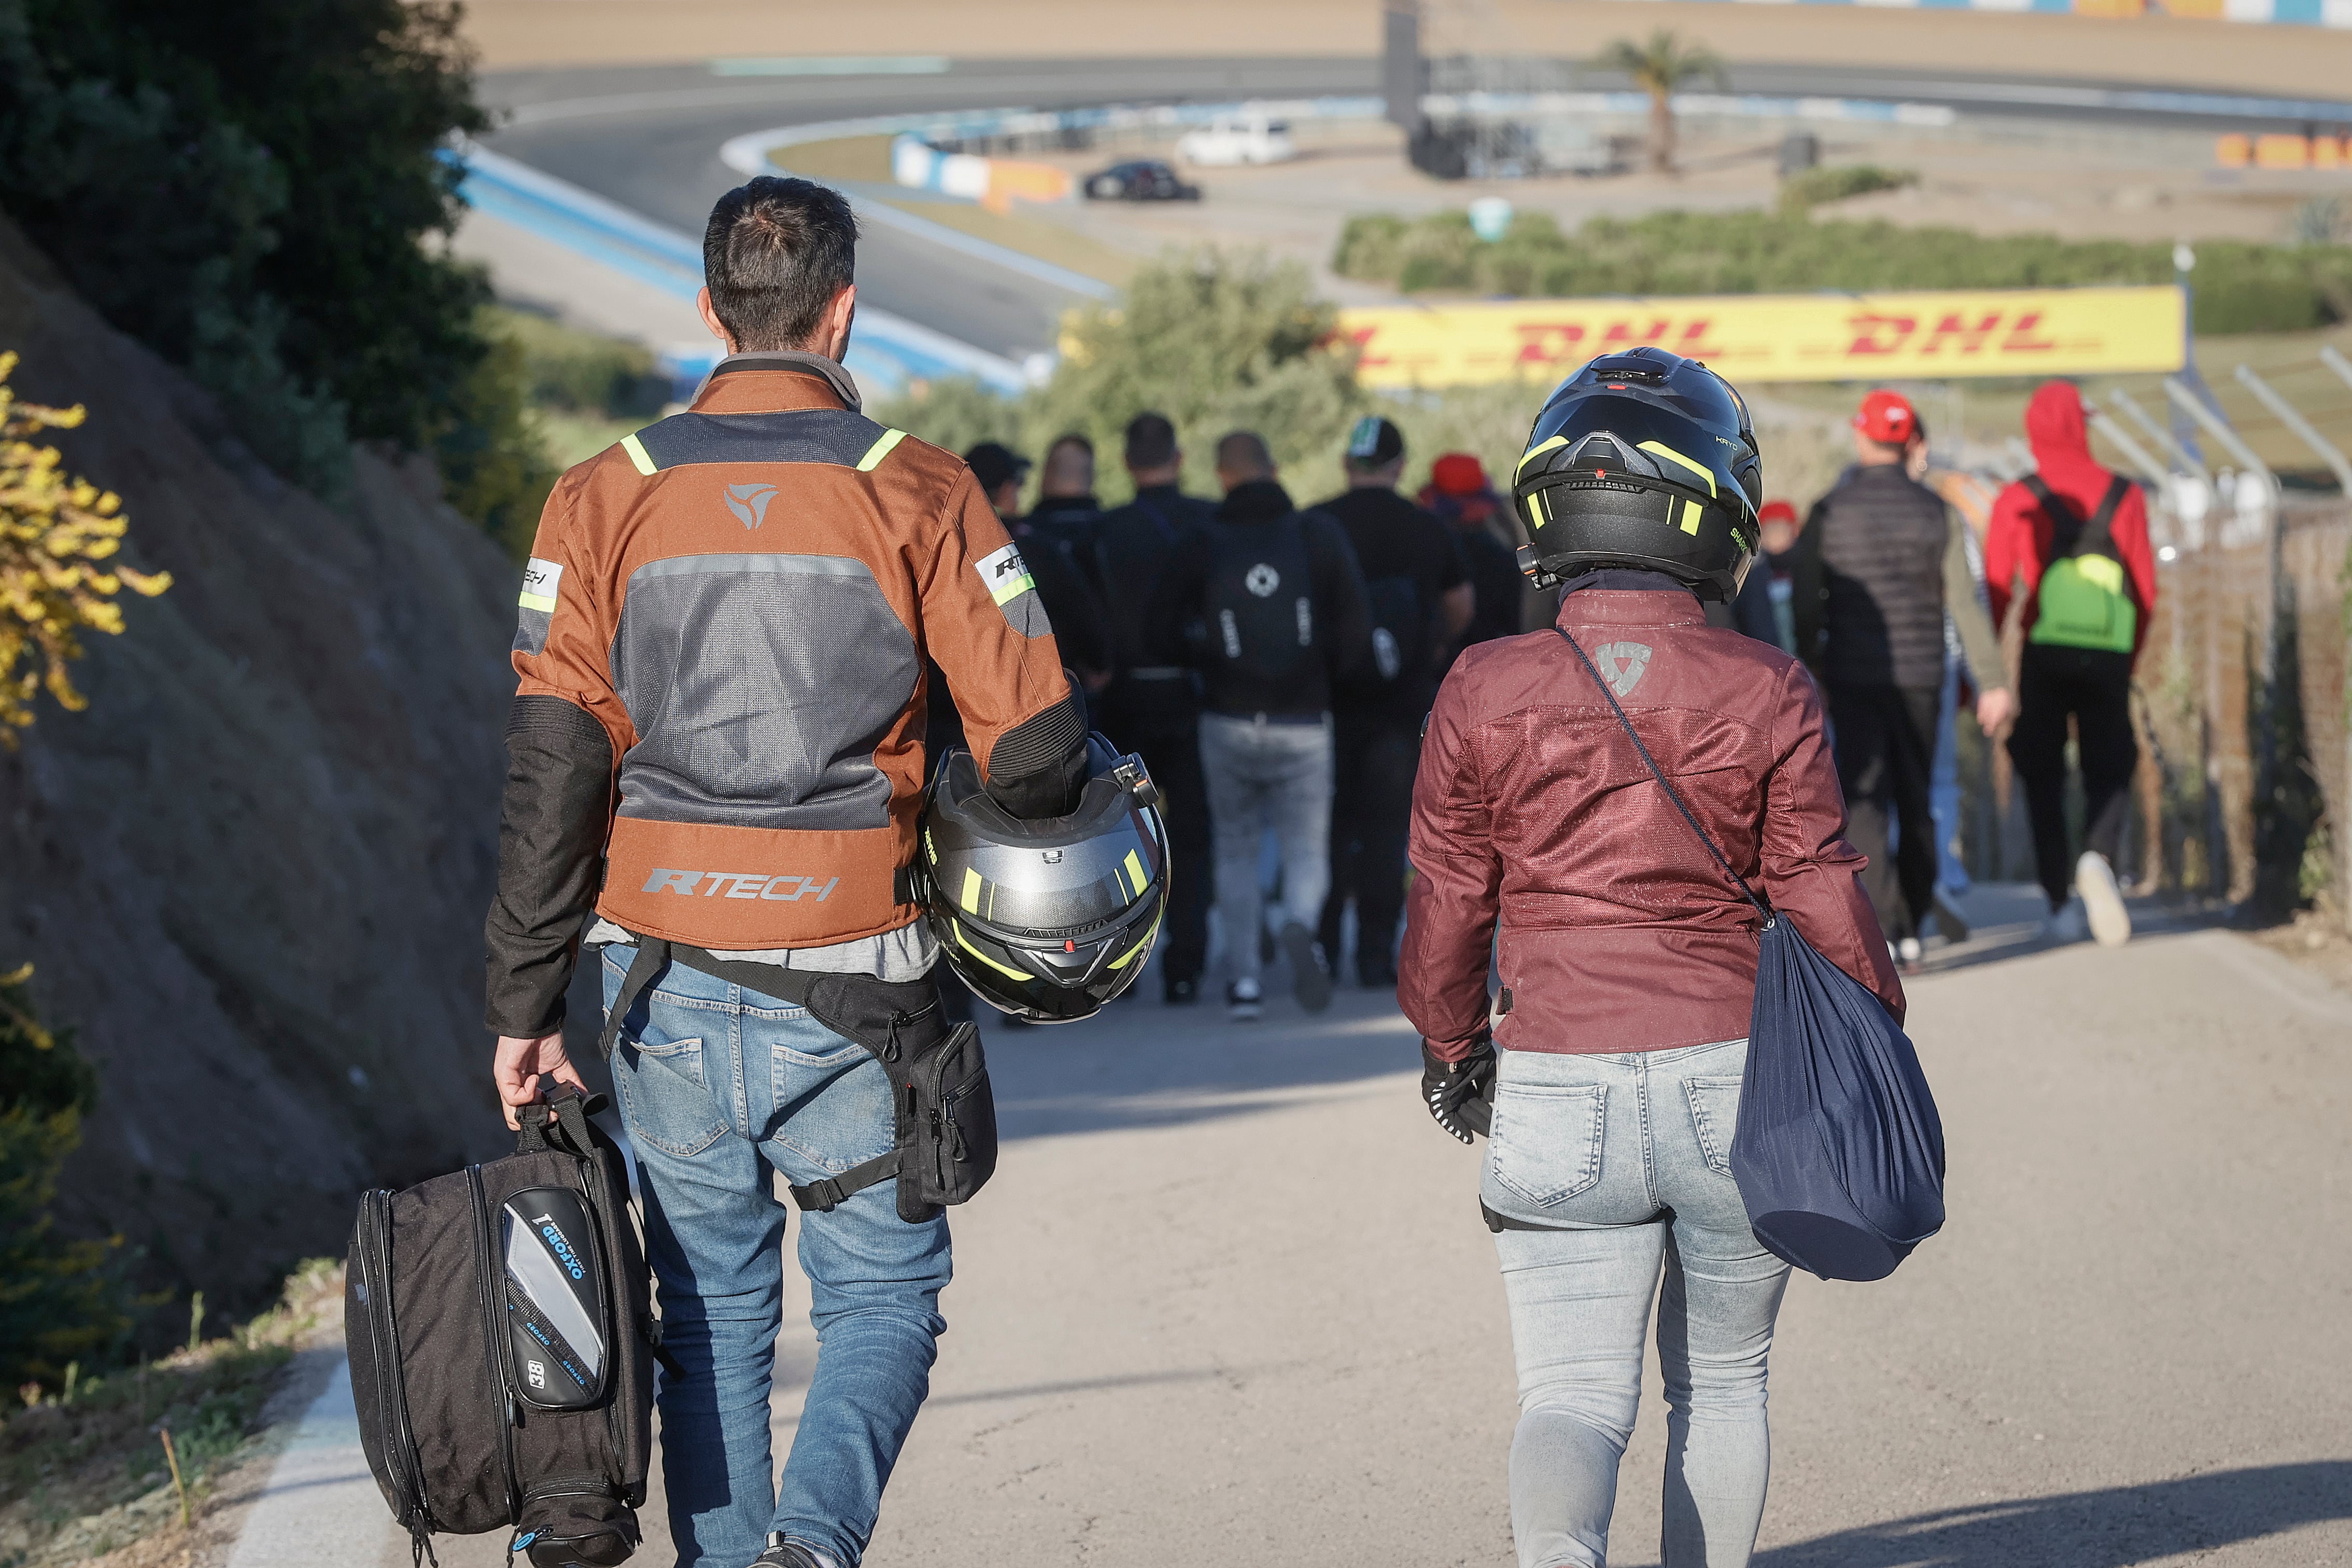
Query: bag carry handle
x=1660, y=775
x=568, y=1110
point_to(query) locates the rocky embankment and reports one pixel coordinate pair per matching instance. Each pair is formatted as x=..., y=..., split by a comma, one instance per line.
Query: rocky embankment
x=252, y=875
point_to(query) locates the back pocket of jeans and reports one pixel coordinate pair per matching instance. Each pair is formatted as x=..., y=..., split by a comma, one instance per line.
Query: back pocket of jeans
x=664, y=1100
x=1715, y=1115
x=1546, y=1139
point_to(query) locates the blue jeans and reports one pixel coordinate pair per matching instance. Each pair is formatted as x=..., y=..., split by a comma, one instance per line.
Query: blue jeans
x=1630, y=1155
x=1266, y=776
x=719, y=1087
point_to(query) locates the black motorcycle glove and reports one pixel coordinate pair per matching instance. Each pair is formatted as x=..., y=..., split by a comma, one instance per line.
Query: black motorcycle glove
x=1460, y=1094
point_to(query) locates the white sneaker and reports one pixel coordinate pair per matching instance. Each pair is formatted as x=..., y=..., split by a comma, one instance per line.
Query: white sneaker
x=2066, y=923
x=2103, y=901
x=1907, y=951
x=1243, y=1002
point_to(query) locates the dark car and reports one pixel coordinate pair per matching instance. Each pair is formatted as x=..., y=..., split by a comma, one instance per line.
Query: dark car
x=1144, y=180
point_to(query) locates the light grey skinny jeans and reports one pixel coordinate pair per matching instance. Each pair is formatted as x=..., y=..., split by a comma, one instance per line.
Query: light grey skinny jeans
x=1267, y=774
x=1627, y=1159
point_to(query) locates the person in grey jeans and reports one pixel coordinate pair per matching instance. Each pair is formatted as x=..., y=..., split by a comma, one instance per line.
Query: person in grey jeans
x=1272, y=602
x=1543, y=844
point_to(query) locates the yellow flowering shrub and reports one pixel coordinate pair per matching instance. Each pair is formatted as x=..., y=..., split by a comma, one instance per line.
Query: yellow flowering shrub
x=55, y=530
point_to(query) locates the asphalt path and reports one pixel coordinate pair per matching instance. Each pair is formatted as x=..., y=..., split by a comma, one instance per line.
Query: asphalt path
x=1229, y=1299
x=648, y=138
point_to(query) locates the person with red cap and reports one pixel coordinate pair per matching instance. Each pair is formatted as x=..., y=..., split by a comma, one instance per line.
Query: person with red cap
x=2069, y=542
x=1880, y=564
x=1460, y=495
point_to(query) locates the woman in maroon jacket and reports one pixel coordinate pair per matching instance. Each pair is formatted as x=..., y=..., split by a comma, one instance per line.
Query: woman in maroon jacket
x=1627, y=958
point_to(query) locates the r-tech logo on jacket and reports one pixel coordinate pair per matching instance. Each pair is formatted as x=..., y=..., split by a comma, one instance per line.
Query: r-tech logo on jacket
x=763, y=688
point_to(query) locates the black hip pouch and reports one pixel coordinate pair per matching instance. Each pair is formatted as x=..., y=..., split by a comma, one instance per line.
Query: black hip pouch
x=945, y=1146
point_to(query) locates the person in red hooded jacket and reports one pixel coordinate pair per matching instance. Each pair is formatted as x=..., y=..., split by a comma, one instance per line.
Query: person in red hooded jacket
x=2068, y=543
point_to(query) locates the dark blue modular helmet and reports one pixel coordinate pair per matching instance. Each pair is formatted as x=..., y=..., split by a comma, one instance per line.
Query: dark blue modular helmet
x=1642, y=459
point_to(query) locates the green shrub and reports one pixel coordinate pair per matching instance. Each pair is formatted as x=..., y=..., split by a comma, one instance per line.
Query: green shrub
x=496, y=467
x=2238, y=286
x=1213, y=340
x=241, y=185
x=60, y=1301
x=1802, y=192
x=580, y=373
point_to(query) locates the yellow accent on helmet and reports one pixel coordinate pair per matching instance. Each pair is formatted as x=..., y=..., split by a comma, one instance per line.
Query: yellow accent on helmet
x=965, y=943
x=970, y=899
x=1668, y=453
x=1127, y=957
x=1135, y=874
x=1690, y=516
x=1538, y=450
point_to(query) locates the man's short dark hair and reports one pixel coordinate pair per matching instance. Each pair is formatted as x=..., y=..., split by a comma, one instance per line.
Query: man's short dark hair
x=1072, y=438
x=1244, y=451
x=775, y=253
x=1151, y=440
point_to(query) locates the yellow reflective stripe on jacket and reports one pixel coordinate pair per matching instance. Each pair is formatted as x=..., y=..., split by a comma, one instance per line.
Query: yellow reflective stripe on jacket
x=530, y=600
x=1671, y=456
x=879, y=450
x=638, y=454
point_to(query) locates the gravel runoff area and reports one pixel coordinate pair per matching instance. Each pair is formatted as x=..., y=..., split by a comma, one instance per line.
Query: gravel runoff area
x=1229, y=1296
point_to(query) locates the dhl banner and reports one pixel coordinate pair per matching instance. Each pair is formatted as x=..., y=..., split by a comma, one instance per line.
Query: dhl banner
x=1783, y=337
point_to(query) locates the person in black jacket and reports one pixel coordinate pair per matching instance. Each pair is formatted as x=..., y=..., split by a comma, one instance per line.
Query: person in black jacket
x=1420, y=599
x=1152, y=705
x=1878, y=566
x=1275, y=605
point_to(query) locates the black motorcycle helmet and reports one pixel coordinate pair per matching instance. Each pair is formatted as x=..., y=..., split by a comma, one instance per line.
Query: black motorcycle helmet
x=1642, y=459
x=1048, y=919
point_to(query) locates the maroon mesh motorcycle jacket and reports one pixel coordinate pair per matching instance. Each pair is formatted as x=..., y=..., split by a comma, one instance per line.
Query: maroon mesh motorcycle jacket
x=1535, y=818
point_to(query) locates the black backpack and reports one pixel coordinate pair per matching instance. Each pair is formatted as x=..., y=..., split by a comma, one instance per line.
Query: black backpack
x=1259, y=606
x=1401, y=639
x=501, y=1329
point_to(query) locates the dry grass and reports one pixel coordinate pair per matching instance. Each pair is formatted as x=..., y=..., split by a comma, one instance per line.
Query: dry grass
x=86, y=1481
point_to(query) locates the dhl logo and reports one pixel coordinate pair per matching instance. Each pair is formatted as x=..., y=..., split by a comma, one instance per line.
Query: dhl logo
x=1781, y=338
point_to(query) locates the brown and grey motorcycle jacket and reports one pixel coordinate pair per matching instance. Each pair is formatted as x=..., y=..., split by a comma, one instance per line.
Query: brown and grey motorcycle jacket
x=718, y=736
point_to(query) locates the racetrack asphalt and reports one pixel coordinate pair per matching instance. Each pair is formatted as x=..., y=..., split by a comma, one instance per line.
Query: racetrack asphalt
x=1229, y=1299
x=648, y=138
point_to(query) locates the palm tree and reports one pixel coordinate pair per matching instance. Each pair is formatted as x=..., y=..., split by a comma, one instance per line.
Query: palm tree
x=1658, y=67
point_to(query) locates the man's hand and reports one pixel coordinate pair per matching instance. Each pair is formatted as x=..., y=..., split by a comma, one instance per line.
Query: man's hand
x=521, y=1063
x=1994, y=708
x=1460, y=1094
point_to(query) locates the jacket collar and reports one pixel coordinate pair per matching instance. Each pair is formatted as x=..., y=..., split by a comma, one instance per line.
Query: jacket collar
x=1255, y=501
x=770, y=382
x=1617, y=607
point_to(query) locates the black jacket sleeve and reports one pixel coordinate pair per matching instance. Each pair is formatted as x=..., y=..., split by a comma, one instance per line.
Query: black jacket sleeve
x=1039, y=767
x=551, y=829
x=1807, y=584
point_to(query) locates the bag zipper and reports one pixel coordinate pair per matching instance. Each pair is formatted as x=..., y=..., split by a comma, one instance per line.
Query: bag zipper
x=486, y=1261
x=610, y=1393
x=383, y=1333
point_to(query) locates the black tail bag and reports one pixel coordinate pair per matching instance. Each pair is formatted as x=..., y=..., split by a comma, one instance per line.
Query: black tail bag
x=501, y=1339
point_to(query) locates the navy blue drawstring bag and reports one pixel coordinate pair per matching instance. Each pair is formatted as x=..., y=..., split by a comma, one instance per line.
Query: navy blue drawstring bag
x=1838, y=1152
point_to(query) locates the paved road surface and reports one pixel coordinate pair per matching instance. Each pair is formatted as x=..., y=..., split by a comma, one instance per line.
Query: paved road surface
x=648, y=138
x=1229, y=1297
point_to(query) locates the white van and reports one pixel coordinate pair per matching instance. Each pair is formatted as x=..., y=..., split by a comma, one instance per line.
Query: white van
x=1256, y=140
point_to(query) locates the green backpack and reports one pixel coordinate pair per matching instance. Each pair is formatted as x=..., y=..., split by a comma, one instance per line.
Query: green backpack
x=2085, y=600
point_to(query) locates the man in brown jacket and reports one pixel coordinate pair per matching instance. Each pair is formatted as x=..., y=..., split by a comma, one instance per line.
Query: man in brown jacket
x=716, y=764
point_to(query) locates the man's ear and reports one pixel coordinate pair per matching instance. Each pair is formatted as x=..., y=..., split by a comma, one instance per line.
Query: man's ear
x=833, y=335
x=710, y=319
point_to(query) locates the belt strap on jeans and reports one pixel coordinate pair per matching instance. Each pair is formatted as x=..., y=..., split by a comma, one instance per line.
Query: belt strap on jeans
x=794, y=985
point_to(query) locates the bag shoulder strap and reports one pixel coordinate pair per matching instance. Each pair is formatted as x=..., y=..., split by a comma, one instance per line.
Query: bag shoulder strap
x=1660, y=775
x=2066, y=523
x=2099, y=535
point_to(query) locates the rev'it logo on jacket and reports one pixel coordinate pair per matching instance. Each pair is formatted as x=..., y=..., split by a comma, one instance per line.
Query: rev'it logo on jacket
x=750, y=502
x=738, y=884
x=1621, y=666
